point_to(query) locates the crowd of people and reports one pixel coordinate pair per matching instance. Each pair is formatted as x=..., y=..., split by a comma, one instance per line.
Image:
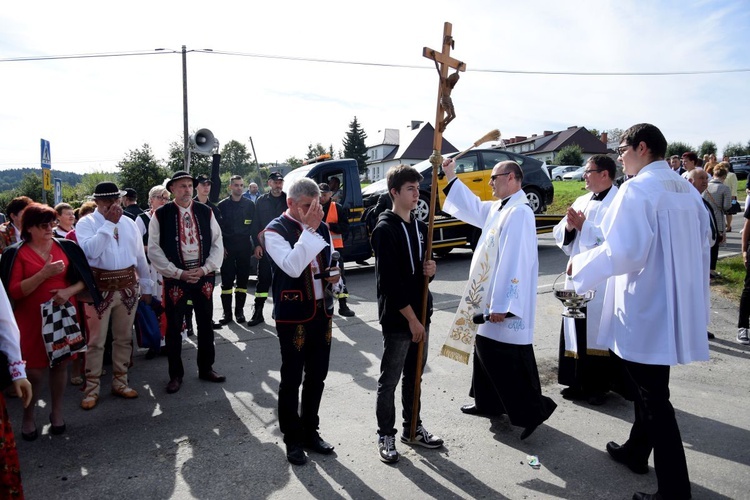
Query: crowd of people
x=633, y=246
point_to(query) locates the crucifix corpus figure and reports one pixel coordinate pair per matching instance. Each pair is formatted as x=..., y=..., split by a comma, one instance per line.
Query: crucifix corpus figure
x=443, y=63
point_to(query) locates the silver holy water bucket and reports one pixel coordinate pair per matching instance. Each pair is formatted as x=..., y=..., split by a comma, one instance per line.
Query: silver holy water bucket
x=572, y=301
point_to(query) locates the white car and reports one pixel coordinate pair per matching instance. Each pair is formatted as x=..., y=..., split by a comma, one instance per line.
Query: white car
x=575, y=175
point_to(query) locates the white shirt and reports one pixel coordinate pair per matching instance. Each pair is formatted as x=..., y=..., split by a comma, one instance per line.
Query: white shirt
x=655, y=261
x=10, y=338
x=514, y=282
x=167, y=268
x=96, y=236
x=302, y=256
x=590, y=236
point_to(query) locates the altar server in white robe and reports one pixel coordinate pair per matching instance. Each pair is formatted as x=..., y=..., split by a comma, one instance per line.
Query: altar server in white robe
x=502, y=286
x=654, y=259
x=585, y=366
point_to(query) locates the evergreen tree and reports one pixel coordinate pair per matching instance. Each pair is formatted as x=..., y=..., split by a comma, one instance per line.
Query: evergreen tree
x=354, y=145
x=570, y=155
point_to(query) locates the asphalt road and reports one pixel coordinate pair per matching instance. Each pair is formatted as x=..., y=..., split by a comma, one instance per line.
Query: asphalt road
x=222, y=440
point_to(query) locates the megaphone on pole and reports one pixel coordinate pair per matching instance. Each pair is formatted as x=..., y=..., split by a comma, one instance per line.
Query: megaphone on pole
x=203, y=142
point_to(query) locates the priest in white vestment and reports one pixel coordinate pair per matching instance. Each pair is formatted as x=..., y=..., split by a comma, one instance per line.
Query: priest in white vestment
x=502, y=288
x=585, y=366
x=654, y=259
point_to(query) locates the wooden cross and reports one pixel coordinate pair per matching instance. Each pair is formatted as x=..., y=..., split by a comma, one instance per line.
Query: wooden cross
x=443, y=62
x=445, y=113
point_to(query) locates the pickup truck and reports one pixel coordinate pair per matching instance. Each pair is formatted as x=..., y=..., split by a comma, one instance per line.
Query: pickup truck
x=448, y=232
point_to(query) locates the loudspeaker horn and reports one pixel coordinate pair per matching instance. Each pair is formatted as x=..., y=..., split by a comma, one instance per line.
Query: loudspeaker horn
x=203, y=141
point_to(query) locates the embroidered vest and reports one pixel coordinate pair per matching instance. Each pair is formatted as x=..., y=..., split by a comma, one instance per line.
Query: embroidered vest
x=294, y=298
x=169, y=236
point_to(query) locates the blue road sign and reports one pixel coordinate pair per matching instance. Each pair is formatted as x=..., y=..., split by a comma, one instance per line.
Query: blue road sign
x=46, y=156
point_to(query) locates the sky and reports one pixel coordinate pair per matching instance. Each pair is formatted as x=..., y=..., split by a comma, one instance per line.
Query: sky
x=95, y=110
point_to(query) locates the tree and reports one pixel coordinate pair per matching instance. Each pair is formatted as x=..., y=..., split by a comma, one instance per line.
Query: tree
x=235, y=159
x=736, y=149
x=354, y=145
x=89, y=181
x=314, y=151
x=677, y=148
x=707, y=148
x=595, y=132
x=31, y=186
x=614, y=134
x=570, y=155
x=199, y=164
x=141, y=171
x=293, y=161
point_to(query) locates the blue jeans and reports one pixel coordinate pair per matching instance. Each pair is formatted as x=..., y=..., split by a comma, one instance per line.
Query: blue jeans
x=399, y=356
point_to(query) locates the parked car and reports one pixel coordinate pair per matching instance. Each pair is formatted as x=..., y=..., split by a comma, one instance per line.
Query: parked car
x=557, y=174
x=474, y=170
x=575, y=175
x=741, y=169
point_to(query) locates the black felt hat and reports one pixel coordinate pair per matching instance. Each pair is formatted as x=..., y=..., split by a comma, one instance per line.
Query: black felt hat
x=180, y=174
x=107, y=190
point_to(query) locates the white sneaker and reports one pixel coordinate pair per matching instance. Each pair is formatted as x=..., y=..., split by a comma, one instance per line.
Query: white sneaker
x=742, y=336
x=387, y=449
x=423, y=438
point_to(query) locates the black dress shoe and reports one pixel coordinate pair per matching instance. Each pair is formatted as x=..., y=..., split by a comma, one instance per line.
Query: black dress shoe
x=470, y=409
x=528, y=431
x=620, y=454
x=216, y=325
x=646, y=496
x=572, y=394
x=316, y=444
x=30, y=436
x=211, y=376
x=226, y=318
x=597, y=399
x=295, y=454
x=239, y=318
x=174, y=385
x=56, y=430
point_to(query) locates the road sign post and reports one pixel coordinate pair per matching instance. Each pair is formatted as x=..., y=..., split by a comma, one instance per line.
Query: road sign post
x=46, y=169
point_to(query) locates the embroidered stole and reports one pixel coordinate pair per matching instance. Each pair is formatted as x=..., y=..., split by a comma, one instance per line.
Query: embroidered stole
x=463, y=330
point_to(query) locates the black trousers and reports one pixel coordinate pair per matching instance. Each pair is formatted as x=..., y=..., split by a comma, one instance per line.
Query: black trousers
x=305, y=348
x=236, y=266
x=715, y=253
x=176, y=295
x=264, y=277
x=505, y=380
x=744, y=320
x=589, y=373
x=656, y=429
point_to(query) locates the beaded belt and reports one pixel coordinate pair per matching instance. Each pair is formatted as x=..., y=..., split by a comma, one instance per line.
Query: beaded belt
x=192, y=264
x=109, y=281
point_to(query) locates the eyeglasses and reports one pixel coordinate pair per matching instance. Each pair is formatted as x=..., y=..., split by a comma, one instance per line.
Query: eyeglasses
x=589, y=172
x=493, y=177
x=165, y=198
x=45, y=225
x=621, y=150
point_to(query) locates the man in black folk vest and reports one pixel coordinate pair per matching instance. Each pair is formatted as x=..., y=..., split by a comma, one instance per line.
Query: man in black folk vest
x=185, y=246
x=299, y=246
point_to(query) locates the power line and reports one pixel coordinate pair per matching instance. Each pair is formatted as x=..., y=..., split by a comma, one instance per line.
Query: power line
x=376, y=64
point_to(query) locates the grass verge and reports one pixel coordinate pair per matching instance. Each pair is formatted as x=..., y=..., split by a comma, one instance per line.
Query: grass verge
x=732, y=278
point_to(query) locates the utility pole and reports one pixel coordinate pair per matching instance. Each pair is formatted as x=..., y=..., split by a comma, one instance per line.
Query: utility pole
x=185, y=137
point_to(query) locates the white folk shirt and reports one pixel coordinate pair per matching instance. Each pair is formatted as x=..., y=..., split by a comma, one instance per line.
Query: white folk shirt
x=10, y=338
x=590, y=236
x=188, y=244
x=655, y=261
x=96, y=236
x=295, y=260
x=513, y=285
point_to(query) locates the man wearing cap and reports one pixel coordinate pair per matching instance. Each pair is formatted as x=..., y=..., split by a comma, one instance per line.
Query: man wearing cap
x=237, y=214
x=337, y=218
x=130, y=204
x=267, y=208
x=184, y=245
x=202, y=191
x=114, y=249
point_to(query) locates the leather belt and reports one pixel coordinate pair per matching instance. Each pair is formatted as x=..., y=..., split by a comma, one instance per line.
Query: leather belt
x=119, y=279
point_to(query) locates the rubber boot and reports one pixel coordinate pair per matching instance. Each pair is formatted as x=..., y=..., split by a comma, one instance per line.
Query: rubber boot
x=239, y=306
x=189, y=320
x=226, y=304
x=257, y=313
x=344, y=309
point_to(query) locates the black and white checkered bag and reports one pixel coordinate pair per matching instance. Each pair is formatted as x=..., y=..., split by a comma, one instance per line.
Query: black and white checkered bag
x=60, y=331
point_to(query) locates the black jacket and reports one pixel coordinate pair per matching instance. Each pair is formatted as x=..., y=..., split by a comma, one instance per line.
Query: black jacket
x=399, y=249
x=236, y=222
x=78, y=268
x=267, y=208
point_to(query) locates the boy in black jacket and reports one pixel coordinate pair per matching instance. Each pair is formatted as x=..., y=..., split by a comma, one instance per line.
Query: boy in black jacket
x=400, y=267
